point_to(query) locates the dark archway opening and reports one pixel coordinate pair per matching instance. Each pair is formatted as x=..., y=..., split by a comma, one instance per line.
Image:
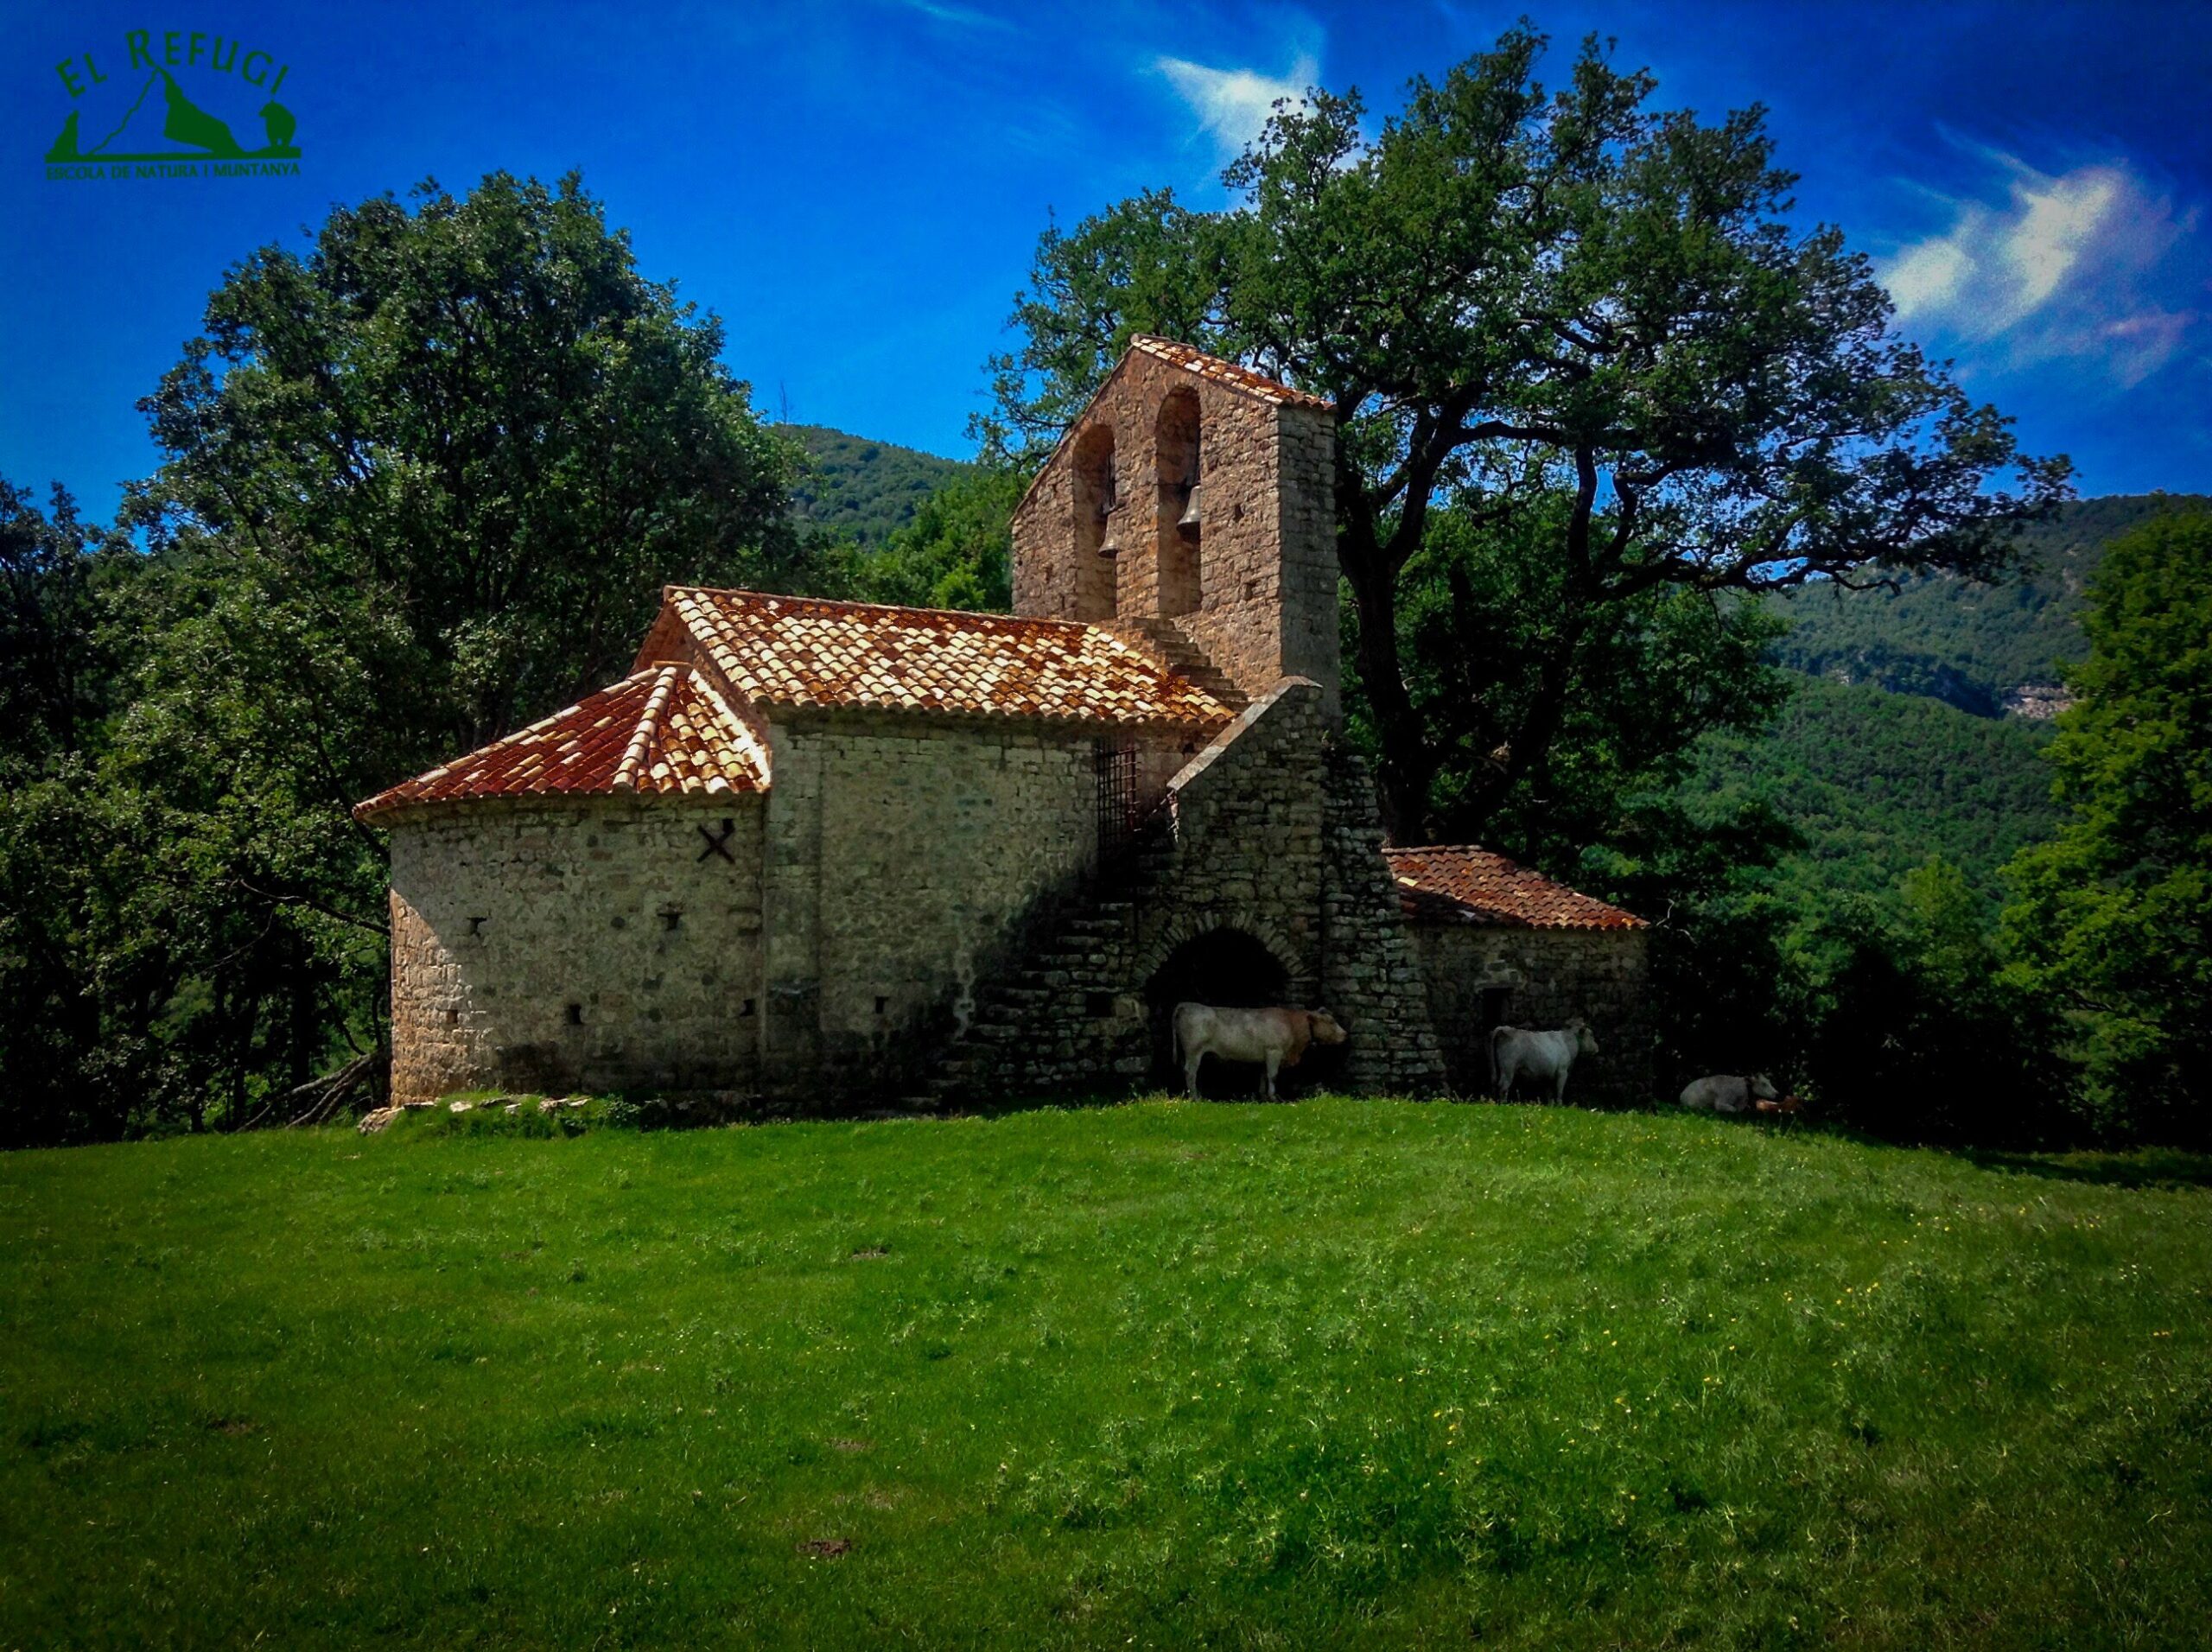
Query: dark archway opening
x=1225, y=968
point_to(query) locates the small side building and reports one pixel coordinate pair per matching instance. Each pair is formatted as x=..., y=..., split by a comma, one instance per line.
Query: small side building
x=1501, y=946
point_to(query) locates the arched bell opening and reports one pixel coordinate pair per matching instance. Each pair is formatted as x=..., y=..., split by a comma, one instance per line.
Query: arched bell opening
x=1098, y=517
x=1228, y=969
x=1181, y=509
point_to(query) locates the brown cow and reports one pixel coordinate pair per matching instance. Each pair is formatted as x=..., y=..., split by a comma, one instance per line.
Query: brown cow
x=1274, y=1038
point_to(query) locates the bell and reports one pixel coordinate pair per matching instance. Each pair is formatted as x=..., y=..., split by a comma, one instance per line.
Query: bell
x=1189, y=519
x=1112, y=544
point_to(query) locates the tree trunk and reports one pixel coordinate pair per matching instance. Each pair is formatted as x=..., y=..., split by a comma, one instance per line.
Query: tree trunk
x=1407, y=763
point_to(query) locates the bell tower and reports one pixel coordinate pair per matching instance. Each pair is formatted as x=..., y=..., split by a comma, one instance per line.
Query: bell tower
x=1192, y=505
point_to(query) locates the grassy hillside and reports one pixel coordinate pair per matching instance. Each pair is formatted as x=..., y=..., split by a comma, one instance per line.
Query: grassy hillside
x=865, y=488
x=1977, y=647
x=1329, y=1374
x=1876, y=782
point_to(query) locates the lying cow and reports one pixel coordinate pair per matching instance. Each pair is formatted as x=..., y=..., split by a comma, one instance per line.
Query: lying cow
x=1273, y=1037
x=1732, y=1093
x=1538, y=1054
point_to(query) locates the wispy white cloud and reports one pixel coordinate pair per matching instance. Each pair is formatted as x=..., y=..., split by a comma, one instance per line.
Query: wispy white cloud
x=2091, y=263
x=942, y=11
x=1233, y=104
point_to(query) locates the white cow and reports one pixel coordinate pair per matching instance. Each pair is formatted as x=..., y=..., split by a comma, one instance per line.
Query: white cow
x=1273, y=1037
x=1539, y=1054
x=1728, y=1093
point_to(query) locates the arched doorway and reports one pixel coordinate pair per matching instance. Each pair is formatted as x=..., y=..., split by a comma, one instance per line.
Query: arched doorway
x=1225, y=968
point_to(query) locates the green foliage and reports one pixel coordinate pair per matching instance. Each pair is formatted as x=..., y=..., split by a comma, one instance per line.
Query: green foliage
x=863, y=490
x=1515, y=297
x=2113, y=918
x=53, y=679
x=1331, y=1374
x=422, y=483
x=1972, y=643
x=63, y=866
x=1483, y=605
x=1913, y=1034
x=1874, y=782
x=474, y=442
x=957, y=551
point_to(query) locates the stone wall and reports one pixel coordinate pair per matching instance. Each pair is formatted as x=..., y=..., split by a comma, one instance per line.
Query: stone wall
x=1260, y=838
x=904, y=882
x=1374, y=977
x=1265, y=551
x=905, y=861
x=1547, y=976
x=592, y=943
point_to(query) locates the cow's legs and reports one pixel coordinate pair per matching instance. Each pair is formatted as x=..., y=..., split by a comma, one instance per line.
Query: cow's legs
x=1558, y=1087
x=1191, y=1072
x=1269, y=1088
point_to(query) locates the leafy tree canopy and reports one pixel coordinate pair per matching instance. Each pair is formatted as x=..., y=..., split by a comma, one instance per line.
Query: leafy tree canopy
x=958, y=552
x=2113, y=917
x=478, y=431
x=1529, y=299
x=424, y=482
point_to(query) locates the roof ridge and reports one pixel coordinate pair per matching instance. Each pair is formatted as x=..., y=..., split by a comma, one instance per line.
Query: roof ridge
x=882, y=607
x=634, y=755
x=505, y=740
x=1181, y=353
x=767, y=648
x=587, y=748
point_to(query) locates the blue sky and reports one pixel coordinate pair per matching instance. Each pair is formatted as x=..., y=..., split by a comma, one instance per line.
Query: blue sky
x=856, y=189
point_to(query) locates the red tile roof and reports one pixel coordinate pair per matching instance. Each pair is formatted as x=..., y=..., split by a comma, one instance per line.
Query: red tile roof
x=1466, y=885
x=663, y=730
x=790, y=651
x=1225, y=371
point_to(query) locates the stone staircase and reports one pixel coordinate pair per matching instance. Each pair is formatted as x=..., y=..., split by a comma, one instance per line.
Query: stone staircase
x=1165, y=642
x=1061, y=1017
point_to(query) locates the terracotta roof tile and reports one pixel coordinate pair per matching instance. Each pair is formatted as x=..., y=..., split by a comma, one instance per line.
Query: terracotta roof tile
x=1466, y=885
x=663, y=730
x=788, y=651
x=1225, y=371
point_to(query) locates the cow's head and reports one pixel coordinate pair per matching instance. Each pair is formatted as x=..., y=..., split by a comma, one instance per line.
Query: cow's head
x=1584, y=1041
x=1763, y=1088
x=1324, y=1028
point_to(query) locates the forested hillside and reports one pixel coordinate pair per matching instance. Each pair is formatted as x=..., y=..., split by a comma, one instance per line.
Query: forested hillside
x=1918, y=726
x=1877, y=782
x=863, y=488
x=1986, y=649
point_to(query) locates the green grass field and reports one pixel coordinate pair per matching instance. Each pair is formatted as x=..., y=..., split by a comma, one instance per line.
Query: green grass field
x=1333, y=1372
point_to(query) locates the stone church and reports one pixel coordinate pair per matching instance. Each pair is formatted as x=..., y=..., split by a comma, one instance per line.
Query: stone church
x=822, y=856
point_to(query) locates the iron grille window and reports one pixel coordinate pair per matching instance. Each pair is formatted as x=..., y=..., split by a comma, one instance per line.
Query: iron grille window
x=1117, y=795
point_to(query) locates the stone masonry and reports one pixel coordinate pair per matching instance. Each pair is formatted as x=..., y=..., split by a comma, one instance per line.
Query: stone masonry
x=1258, y=834
x=831, y=856
x=566, y=944
x=1252, y=587
x=1541, y=977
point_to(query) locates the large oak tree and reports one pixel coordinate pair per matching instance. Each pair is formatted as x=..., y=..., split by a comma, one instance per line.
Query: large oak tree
x=1563, y=302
